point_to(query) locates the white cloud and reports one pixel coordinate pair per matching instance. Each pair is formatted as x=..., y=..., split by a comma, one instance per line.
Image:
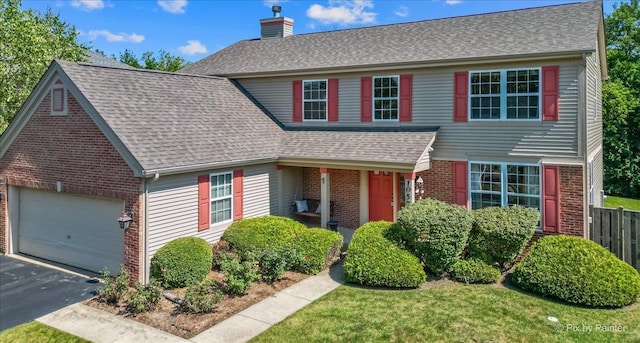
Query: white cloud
x=88, y=5
x=193, y=47
x=343, y=12
x=173, y=6
x=402, y=11
x=452, y=2
x=112, y=37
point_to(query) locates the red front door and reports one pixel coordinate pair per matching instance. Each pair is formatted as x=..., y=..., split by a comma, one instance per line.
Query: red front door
x=380, y=196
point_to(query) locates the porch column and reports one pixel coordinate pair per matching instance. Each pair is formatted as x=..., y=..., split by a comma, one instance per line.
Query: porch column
x=280, y=177
x=409, y=188
x=325, y=197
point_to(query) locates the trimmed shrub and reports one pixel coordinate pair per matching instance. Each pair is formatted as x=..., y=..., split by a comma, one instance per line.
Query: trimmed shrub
x=182, y=262
x=577, y=271
x=271, y=264
x=474, y=271
x=318, y=249
x=500, y=234
x=373, y=260
x=114, y=288
x=257, y=233
x=435, y=231
x=201, y=297
x=238, y=275
x=145, y=297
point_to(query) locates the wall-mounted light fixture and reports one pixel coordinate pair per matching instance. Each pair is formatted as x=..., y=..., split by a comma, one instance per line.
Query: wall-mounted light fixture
x=125, y=219
x=419, y=188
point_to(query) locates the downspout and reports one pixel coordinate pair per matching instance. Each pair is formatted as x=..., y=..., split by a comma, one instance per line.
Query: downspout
x=583, y=143
x=145, y=262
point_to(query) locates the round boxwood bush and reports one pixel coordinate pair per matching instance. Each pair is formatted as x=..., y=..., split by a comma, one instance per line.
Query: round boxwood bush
x=500, y=234
x=474, y=271
x=318, y=249
x=182, y=262
x=577, y=271
x=435, y=231
x=373, y=260
x=261, y=232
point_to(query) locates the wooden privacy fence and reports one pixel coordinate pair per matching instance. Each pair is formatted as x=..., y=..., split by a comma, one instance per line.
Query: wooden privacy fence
x=617, y=230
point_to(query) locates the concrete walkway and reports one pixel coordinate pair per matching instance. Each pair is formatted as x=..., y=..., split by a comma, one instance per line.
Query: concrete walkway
x=102, y=327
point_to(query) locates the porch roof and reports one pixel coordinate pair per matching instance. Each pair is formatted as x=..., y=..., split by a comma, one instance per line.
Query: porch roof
x=400, y=149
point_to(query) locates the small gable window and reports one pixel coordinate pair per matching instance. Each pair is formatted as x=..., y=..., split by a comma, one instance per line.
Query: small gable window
x=59, y=99
x=315, y=100
x=385, y=98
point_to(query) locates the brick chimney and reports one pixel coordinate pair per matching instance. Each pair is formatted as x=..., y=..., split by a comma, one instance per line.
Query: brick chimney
x=276, y=26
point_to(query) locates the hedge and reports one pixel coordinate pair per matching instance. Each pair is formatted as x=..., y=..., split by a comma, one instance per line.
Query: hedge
x=577, y=271
x=474, y=271
x=373, y=260
x=435, y=231
x=318, y=249
x=182, y=262
x=500, y=234
x=261, y=232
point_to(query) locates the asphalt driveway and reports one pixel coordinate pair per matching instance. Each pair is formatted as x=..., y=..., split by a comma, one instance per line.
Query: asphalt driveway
x=28, y=291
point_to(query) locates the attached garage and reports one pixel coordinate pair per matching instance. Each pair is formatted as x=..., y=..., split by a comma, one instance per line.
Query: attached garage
x=78, y=231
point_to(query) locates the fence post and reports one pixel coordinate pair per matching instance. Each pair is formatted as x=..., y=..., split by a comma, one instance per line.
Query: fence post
x=621, y=230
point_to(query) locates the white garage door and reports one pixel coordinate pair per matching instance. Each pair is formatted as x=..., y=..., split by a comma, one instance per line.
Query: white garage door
x=79, y=231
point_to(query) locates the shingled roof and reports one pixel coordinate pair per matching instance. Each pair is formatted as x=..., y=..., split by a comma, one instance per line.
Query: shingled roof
x=170, y=120
x=552, y=30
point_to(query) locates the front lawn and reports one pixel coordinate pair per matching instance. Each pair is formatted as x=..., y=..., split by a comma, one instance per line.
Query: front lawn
x=628, y=204
x=36, y=332
x=451, y=312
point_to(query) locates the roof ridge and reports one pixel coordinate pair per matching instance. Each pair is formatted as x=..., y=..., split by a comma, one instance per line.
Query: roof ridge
x=578, y=2
x=133, y=69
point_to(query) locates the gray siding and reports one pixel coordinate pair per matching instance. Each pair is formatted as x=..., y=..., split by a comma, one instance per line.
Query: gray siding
x=598, y=178
x=292, y=188
x=594, y=103
x=433, y=106
x=173, y=205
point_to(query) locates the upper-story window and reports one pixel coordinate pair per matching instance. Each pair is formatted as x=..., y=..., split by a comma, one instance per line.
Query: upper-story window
x=315, y=100
x=385, y=98
x=505, y=94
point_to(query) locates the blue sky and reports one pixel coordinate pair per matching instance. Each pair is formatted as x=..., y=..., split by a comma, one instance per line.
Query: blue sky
x=194, y=29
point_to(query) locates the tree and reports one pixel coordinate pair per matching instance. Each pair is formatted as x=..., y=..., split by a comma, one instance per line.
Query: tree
x=621, y=101
x=29, y=41
x=163, y=61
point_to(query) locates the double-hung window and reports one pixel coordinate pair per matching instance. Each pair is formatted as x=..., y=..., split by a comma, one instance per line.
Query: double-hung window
x=503, y=184
x=221, y=197
x=315, y=100
x=505, y=94
x=385, y=98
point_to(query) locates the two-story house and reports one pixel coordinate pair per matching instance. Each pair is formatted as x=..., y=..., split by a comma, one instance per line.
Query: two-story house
x=484, y=110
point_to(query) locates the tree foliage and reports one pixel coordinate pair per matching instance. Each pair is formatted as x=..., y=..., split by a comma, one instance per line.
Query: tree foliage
x=29, y=41
x=161, y=61
x=621, y=101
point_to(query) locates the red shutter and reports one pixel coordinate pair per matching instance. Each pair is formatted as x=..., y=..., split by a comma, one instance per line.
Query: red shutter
x=551, y=198
x=333, y=100
x=406, y=91
x=461, y=97
x=460, y=184
x=204, y=214
x=297, y=100
x=365, y=99
x=237, y=194
x=550, y=90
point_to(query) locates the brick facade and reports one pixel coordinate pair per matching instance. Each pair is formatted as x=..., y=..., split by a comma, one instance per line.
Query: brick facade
x=345, y=193
x=438, y=181
x=72, y=149
x=571, y=201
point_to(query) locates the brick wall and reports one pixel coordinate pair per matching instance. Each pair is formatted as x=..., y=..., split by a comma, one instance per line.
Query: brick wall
x=438, y=181
x=345, y=193
x=571, y=201
x=73, y=150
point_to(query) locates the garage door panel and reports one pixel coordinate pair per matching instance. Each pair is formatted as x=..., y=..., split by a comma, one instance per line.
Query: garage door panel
x=79, y=231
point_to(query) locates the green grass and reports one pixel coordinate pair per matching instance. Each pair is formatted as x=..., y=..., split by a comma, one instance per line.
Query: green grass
x=36, y=332
x=449, y=313
x=629, y=204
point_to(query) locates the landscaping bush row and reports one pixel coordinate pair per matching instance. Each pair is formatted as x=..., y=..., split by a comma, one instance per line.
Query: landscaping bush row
x=373, y=260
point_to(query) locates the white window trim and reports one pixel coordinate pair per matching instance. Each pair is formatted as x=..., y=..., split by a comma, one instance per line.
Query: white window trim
x=326, y=101
x=65, y=100
x=211, y=223
x=373, y=99
x=503, y=95
x=503, y=179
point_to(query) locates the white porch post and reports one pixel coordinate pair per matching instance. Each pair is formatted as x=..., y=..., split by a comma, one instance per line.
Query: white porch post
x=325, y=197
x=409, y=188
